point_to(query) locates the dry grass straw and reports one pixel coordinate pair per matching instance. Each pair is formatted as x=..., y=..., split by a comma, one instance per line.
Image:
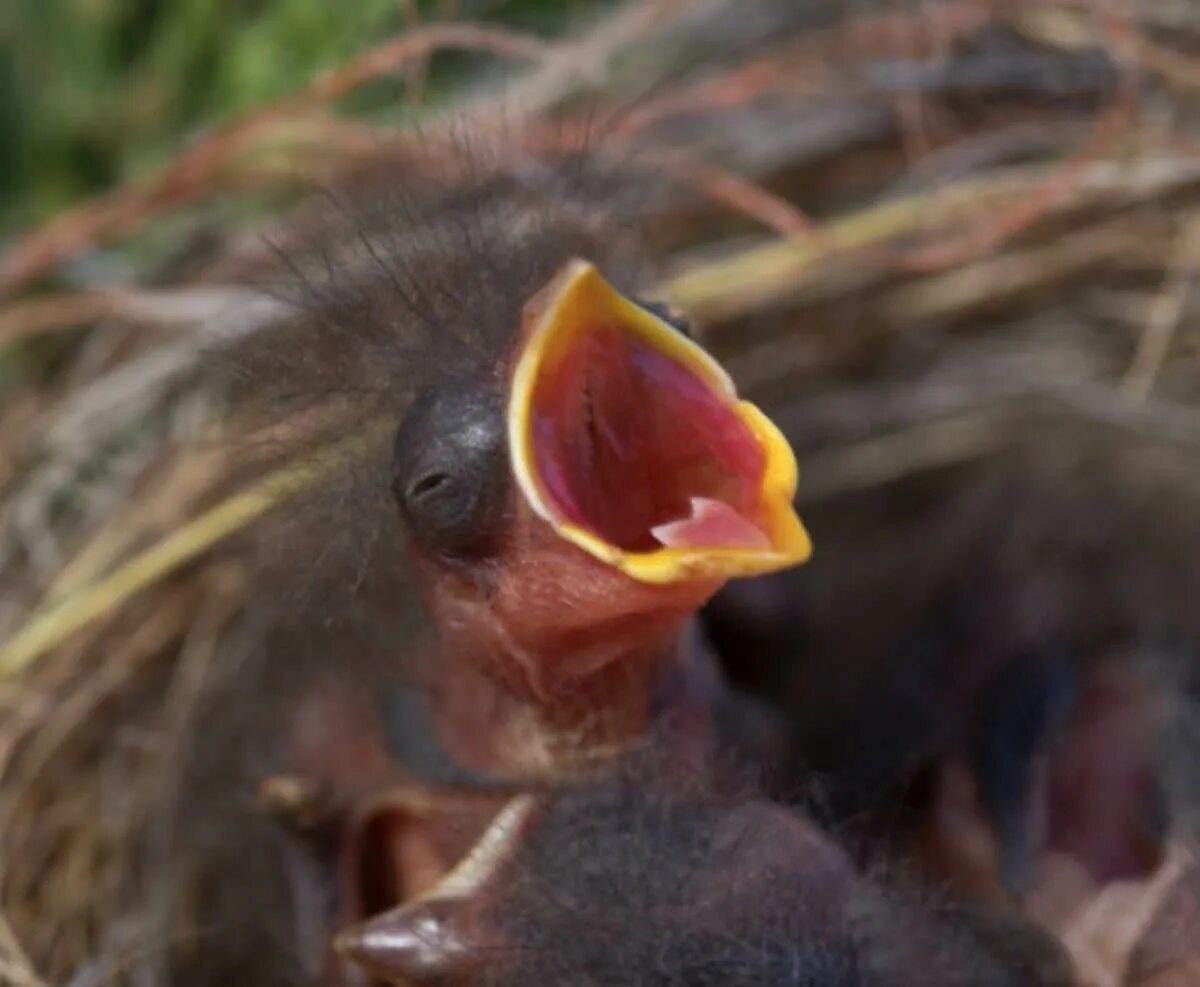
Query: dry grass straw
x=961, y=208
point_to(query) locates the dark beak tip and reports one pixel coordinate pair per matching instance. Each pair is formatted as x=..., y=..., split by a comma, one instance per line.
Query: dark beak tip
x=414, y=943
x=373, y=949
x=351, y=943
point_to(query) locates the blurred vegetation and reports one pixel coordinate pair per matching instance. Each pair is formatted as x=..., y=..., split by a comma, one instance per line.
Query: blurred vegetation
x=96, y=91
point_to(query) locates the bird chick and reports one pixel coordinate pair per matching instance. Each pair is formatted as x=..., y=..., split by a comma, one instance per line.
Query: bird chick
x=635, y=881
x=994, y=707
x=550, y=467
x=571, y=507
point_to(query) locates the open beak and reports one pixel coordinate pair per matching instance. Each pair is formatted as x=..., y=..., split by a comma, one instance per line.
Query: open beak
x=631, y=442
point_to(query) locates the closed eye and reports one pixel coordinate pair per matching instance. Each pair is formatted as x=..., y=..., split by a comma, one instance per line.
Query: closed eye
x=427, y=485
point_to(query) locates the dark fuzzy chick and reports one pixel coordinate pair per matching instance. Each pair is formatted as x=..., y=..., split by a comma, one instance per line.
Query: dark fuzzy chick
x=1030, y=625
x=436, y=635
x=647, y=882
x=413, y=286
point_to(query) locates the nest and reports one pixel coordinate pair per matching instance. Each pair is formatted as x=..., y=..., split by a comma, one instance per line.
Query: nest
x=949, y=246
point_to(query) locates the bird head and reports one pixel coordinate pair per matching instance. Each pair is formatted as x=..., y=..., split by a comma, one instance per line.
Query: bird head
x=570, y=505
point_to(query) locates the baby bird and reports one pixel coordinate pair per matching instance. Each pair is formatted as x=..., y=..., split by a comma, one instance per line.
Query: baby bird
x=632, y=881
x=570, y=478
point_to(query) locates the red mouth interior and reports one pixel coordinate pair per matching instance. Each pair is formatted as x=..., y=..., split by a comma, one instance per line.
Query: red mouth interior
x=639, y=450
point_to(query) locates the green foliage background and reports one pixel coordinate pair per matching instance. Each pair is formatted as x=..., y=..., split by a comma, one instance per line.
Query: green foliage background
x=95, y=91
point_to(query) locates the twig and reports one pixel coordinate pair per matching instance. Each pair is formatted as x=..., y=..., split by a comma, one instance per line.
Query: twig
x=732, y=286
x=48, y=733
x=805, y=65
x=989, y=235
x=1165, y=315
x=877, y=461
x=87, y=604
x=1173, y=66
x=738, y=193
x=992, y=279
x=192, y=477
x=204, y=307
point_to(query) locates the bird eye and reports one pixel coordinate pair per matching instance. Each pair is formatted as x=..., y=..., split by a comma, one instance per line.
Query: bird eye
x=676, y=321
x=428, y=485
x=431, y=498
x=450, y=473
x=439, y=507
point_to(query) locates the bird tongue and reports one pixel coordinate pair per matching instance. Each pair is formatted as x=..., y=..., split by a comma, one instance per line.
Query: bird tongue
x=713, y=524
